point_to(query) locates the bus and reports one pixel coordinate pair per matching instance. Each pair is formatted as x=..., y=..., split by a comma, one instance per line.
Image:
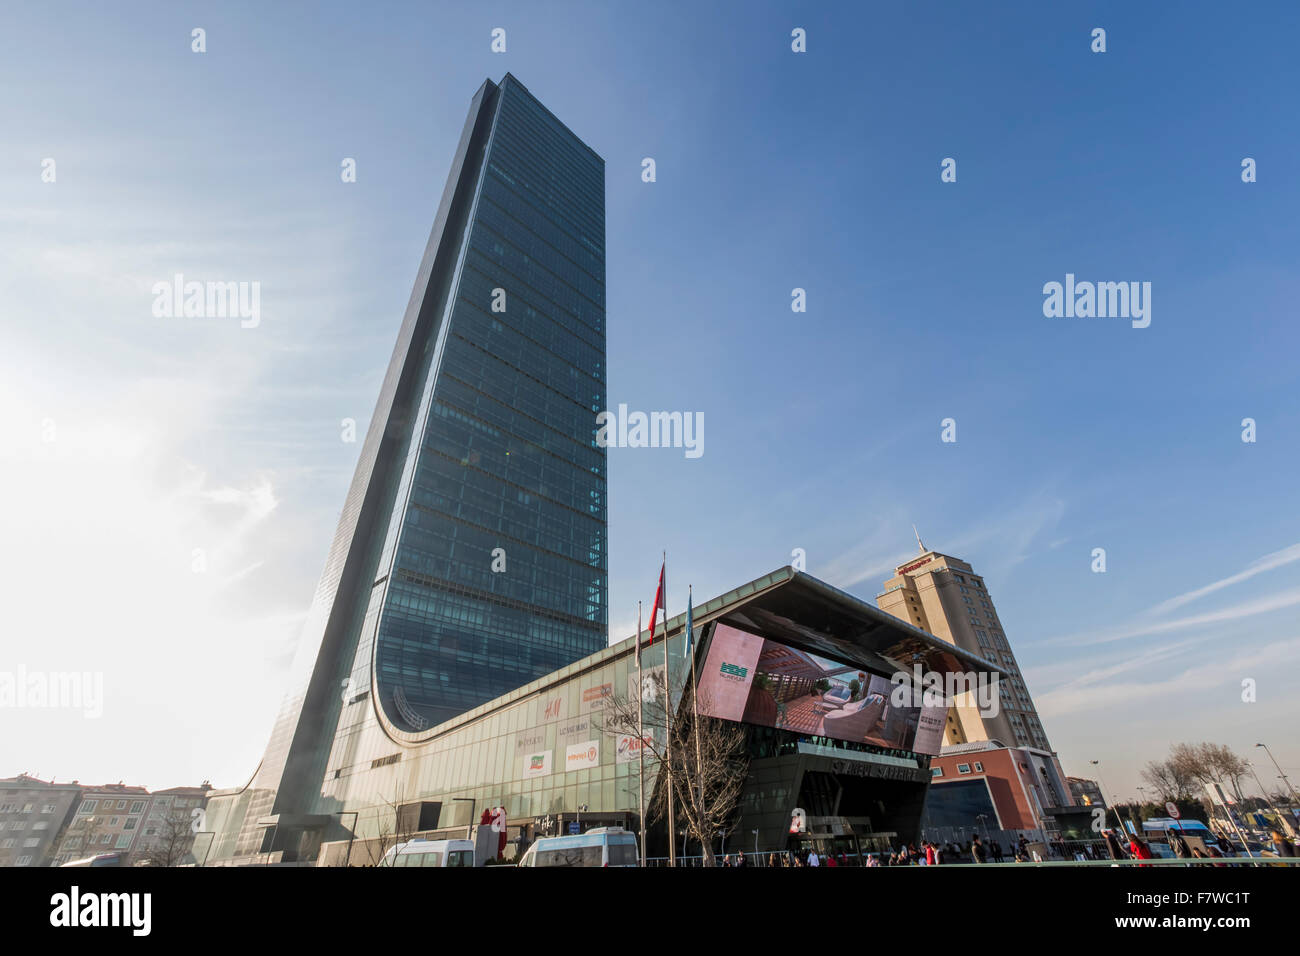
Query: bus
x=599, y=846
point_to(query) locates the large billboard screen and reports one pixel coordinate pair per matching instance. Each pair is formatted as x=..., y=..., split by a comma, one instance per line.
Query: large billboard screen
x=757, y=681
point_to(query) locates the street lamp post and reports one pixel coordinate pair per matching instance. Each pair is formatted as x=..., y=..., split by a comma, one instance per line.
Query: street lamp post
x=1283, y=821
x=275, y=829
x=1102, y=787
x=1280, y=773
x=469, y=830
x=352, y=834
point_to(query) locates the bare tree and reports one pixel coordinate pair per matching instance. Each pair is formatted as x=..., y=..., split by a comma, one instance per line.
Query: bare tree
x=1210, y=763
x=1227, y=766
x=173, y=841
x=1170, y=779
x=397, y=825
x=378, y=845
x=707, y=759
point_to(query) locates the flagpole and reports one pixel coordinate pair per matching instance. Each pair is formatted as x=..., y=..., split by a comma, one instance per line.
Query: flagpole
x=668, y=725
x=640, y=732
x=695, y=706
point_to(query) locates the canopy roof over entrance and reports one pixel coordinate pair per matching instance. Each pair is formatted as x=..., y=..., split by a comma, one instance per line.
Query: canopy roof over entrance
x=797, y=609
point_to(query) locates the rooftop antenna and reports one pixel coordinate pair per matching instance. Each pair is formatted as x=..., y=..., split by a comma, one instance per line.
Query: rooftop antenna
x=918, y=539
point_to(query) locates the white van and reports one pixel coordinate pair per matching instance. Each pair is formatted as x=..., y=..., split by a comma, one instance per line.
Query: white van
x=430, y=853
x=600, y=846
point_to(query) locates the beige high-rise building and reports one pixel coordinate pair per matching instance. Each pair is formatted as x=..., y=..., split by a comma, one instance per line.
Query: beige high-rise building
x=943, y=595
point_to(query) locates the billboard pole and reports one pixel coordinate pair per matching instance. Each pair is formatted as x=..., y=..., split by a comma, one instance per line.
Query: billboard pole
x=640, y=731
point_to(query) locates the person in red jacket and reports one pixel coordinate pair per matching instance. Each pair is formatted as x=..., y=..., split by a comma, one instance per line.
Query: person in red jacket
x=1139, y=849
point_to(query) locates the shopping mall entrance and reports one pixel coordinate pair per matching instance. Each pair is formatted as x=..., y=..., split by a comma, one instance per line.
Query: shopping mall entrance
x=846, y=812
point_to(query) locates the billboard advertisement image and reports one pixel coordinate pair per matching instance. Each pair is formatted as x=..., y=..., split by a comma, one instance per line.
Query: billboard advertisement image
x=753, y=680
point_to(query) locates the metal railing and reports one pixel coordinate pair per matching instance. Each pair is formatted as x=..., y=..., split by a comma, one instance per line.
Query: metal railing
x=762, y=860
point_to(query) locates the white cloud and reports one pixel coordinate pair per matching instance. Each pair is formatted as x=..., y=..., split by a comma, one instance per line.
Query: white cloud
x=1251, y=608
x=1193, y=684
x=1267, y=563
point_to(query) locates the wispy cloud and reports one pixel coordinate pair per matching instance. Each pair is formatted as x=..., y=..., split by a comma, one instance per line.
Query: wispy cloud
x=872, y=559
x=1267, y=563
x=1100, y=667
x=1251, y=608
x=1152, y=684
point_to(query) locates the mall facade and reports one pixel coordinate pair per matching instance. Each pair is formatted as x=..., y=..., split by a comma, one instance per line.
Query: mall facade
x=802, y=667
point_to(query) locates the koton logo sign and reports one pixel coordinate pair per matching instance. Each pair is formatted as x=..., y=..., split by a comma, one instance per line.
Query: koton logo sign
x=630, y=748
x=579, y=756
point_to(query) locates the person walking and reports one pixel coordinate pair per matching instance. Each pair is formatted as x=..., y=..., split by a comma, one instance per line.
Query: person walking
x=931, y=856
x=1281, y=845
x=740, y=859
x=977, y=851
x=813, y=859
x=1138, y=849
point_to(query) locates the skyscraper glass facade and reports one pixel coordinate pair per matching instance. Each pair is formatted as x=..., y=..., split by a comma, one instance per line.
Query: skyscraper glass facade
x=470, y=554
x=496, y=553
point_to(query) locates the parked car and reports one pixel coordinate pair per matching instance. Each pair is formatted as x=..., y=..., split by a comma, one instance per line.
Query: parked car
x=600, y=846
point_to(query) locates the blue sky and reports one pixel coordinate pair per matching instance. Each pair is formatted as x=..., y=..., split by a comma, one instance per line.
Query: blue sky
x=775, y=170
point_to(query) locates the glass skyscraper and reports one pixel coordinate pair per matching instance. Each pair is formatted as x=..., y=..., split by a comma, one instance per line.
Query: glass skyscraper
x=495, y=555
x=470, y=557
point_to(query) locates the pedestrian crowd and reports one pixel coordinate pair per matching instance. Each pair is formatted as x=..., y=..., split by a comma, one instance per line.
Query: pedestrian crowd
x=928, y=853
x=1114, y=846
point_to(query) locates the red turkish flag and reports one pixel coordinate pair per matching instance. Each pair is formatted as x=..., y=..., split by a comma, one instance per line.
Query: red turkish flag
x=659, y=596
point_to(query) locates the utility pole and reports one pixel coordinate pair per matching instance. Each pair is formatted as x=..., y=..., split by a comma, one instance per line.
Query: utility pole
x=668, y=727
x=640, y=729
